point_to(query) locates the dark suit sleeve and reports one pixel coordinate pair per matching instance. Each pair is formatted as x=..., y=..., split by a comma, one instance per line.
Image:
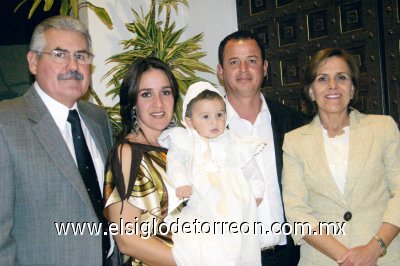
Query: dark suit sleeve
x=110, y=134
x=283, y=120
x=8, y=246
x=288, y=118
x=298, y=119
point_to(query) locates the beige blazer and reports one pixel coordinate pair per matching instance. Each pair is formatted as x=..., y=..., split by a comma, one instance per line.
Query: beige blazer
x=372, y=191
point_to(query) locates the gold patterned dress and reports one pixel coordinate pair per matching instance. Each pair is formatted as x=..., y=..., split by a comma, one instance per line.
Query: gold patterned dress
x=146, y=189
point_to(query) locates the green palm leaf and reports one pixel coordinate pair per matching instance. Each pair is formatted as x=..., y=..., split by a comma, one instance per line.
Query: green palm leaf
x=48, y=4
x=150, y=39
x=69, y=8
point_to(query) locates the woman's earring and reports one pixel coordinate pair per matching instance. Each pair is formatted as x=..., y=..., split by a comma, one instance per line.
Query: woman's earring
x=135, y=124
x=352, y=92
x=311, y=93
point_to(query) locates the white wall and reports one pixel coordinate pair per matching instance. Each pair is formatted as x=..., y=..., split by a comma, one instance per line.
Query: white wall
x=215, y=18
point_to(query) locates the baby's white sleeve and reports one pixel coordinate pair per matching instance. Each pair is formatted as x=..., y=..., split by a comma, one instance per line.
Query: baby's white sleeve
x=179, y=144
x=177, y=166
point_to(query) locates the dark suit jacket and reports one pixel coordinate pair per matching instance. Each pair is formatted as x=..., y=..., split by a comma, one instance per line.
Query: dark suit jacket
x=40, y=185
x=283, y=120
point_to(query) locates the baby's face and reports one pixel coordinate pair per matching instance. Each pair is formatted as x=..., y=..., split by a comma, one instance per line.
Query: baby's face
x=208, y=117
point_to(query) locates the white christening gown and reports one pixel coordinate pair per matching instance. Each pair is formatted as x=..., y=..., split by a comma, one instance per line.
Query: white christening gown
x=217, y=225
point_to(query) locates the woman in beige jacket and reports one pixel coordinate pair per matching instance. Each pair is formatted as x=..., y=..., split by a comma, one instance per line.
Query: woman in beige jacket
x=342, y=168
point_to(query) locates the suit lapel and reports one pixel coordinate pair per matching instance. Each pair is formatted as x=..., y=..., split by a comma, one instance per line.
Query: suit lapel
x=48, y=134
x=359, y=148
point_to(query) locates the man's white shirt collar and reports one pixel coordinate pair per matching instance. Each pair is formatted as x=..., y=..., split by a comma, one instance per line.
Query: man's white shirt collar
x=232, y=114
x=58, y=111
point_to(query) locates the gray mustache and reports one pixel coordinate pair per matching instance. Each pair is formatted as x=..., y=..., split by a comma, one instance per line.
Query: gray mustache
x=71, y=74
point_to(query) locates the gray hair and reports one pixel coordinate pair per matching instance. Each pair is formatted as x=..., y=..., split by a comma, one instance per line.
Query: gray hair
x=38, y=41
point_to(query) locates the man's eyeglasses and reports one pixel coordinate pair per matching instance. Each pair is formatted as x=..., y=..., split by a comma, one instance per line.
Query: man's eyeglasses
x=63, y=56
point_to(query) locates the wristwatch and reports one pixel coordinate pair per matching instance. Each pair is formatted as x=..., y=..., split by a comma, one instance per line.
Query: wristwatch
x=381, y=244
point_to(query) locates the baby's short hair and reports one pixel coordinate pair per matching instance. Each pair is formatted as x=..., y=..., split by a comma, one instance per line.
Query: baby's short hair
x=204, y=95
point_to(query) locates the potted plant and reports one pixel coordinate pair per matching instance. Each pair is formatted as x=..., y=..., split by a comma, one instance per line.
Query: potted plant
x=154, y=37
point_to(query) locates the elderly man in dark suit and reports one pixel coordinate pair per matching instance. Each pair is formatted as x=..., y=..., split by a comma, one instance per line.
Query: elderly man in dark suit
x=52, y=154
x=242, y=67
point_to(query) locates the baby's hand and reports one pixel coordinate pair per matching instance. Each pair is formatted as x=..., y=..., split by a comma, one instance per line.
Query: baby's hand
x=183, y=192
x=258, y=201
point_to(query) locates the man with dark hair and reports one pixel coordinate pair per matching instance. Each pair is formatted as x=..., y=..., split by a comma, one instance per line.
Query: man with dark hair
x=242, y=68
x=52, y=154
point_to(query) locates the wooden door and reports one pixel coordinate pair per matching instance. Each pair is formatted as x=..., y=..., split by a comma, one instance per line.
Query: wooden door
x=293, y=30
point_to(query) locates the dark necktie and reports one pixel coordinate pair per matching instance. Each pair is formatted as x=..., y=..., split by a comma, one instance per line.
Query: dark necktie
x=89, y=176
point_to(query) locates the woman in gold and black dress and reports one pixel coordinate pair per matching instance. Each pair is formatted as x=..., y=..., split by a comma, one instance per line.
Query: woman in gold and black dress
x=135, y=191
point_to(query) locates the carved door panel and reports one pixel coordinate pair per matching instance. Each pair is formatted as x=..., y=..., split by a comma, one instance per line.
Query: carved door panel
x=293, y=30
x=391, y=32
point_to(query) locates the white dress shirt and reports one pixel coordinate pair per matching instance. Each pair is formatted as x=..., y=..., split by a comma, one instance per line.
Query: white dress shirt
x=337, y=155
x=271, y=209
x=59, y=112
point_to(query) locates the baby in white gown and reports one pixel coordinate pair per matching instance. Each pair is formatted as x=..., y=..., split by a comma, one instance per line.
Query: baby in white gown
x=217, y=171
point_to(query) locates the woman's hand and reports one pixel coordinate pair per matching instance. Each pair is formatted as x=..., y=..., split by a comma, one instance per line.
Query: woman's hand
x=362, y=255
x=370, y=253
